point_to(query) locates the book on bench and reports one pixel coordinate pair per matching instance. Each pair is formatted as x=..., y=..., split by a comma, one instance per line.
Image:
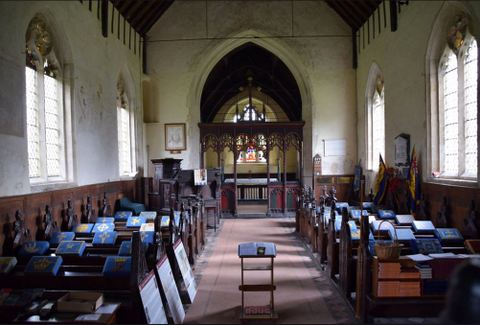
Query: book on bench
x=105, y=220
x=122, y=215
x=84, y=228
x=71, y=247
x=43, y=265
x=125, y=248
x=404, y=219
x=386, y=214
x=57, y=237
x=148, y=215
x=117, y=266
x=103, y=227
x=423, y=226
x=31, y=248
x=135, y=222
x=105, y=238
x=449, y=235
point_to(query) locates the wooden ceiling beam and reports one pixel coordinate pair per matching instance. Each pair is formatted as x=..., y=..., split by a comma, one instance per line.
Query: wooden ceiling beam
x=365, y=7
x=149, y=23
x=352, y=20
x=131, y=10
x=143, y=11
x=120, y=5
x=357, y=12
x=155, y=9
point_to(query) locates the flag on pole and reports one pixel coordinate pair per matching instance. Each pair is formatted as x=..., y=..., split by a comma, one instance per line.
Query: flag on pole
x=413, y=183
x=380, y=182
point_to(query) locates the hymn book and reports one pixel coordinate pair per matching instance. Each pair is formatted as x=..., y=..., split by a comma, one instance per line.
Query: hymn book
x=125, y=248
x=117, y=266
x=135, y=222
x=122, y=215
x=105, y=220
x=30, y=248
x=57, y=237
x=103, y=227
x=71, y=248
x=44, y=265
x=105, y=238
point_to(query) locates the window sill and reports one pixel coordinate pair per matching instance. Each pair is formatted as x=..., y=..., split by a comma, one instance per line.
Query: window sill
x=50, y=186
x=472, y=183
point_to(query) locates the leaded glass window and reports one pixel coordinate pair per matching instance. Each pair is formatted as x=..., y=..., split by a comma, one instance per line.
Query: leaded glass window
x=375, y=118
x=458, y=76
x=126, y=140
x=44, y=106
x=378, y=126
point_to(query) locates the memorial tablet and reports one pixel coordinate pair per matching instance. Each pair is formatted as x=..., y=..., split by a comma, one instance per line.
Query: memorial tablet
x=185, y=269
x=170, y=290
x=151, y=300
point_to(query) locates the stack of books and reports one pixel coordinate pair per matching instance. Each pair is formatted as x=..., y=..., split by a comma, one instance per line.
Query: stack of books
x=388, y=270
x=425, y=270
x=396, y=279
x=409, y=289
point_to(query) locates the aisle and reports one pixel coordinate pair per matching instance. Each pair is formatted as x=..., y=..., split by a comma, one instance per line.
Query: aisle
x=303, y=294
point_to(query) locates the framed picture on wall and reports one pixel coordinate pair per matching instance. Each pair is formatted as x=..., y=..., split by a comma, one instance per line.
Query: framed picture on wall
x=175, y=137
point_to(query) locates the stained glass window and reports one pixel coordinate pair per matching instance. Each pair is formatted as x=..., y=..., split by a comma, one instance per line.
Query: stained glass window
x=251, y=151
x=44, y=108
x=458, y=110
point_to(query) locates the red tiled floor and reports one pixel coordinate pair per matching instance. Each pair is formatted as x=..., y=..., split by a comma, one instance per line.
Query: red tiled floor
x=297, y=298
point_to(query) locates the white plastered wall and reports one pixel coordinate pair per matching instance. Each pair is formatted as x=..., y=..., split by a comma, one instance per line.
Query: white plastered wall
x=93, y=64
x=308, y=36
x=401, y=56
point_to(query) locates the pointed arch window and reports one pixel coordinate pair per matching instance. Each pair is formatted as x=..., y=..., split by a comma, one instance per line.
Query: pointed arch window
x=126, y=131
x=375, y=123
x=457, y=109
x=45, y=107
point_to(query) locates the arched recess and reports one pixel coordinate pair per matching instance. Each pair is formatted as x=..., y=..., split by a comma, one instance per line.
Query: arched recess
x=445, y=19
x=289, y=57
x=250, y=71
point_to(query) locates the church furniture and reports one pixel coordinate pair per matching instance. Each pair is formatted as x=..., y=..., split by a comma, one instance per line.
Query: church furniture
x=254, y=251
x=85, y=273
x=164, y=185
x=398, y=303
x=280, y=194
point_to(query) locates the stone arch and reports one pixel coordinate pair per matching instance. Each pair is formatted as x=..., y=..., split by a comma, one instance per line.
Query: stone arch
x=217, y=52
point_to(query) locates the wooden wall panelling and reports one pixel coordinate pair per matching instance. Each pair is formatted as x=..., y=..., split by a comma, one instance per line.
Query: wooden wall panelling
x=33, y=205
x=343, y=185
x=459, y=201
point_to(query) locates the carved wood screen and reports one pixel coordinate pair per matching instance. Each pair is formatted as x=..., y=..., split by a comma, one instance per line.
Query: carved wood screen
x=236, y=136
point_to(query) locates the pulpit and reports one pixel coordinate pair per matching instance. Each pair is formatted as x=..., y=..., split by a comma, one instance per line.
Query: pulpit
x=165, y=185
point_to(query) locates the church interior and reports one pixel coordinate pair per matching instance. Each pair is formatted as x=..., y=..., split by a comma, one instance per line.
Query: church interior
x=163, y=153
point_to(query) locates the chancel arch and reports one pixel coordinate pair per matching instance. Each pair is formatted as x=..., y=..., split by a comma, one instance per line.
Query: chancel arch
x=251, y=106
x=209, y=58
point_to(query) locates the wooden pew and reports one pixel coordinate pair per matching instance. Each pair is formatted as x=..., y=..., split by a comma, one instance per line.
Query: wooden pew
x=322, y=233
x=85, y=273
x=367, y=305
